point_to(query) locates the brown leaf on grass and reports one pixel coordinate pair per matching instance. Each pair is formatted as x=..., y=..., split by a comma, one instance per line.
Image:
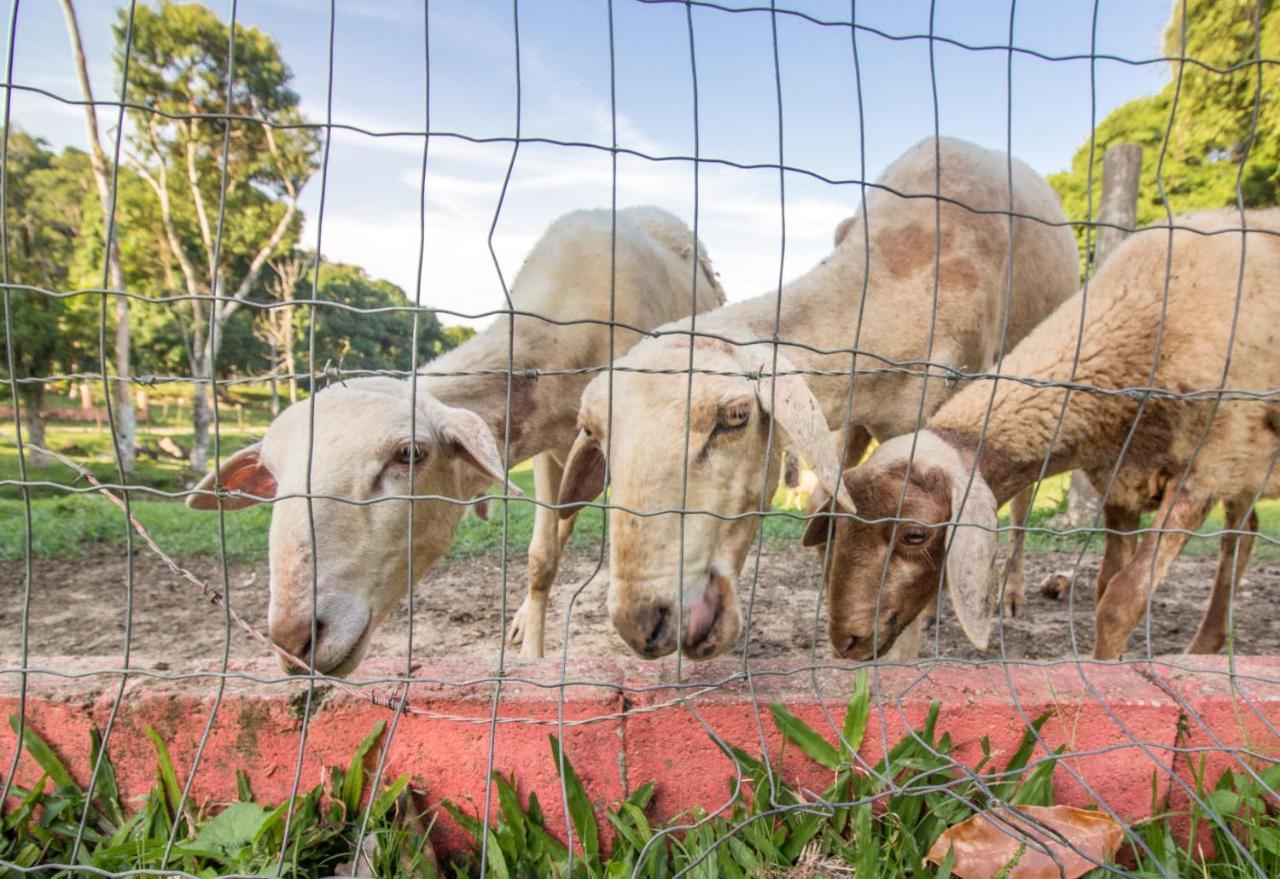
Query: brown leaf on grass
x=992, y=841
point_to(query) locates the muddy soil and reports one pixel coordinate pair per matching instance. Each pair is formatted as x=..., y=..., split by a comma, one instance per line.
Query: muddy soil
x=78, y=607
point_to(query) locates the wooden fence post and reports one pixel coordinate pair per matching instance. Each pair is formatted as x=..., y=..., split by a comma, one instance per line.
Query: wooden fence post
x=1121, y=170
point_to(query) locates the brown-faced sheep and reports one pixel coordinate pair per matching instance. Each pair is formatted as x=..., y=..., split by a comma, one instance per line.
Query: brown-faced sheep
x=907, y=254
x=1158, y=363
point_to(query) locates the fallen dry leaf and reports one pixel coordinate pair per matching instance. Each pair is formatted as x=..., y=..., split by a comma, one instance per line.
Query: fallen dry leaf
x=987, y=842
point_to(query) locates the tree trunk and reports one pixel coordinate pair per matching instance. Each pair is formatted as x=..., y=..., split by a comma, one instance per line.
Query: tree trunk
x=32, y=394
x=200, y=414
x=1121, y=169
x=290, y=363
x=126, y=422
x=275, y=384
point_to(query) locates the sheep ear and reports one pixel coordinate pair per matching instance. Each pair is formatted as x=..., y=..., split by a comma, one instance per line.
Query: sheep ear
x=243, y=472
x=797, y=412
x=970, y=568
x=583, y=478
x=842, y=230
x=473, y=442
x=820, y=519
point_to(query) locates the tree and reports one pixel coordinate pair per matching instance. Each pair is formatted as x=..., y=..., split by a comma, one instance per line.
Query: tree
x=278, y=323
x=363, y=339
x=46, y=198
x=1212, y=131
x=124, y=414
x=220, y=233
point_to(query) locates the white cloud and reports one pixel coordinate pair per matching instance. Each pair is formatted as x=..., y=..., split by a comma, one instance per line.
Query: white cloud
x=739, y=221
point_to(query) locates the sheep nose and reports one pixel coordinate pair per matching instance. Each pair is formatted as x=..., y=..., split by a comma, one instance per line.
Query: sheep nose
x=853, y=647
x=293, y=636
x=340, y=624
x=649, y=630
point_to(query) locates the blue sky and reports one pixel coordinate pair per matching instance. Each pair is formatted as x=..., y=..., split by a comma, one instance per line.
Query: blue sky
x=371, y=210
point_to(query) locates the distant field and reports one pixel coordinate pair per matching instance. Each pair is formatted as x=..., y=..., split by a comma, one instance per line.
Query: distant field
x=67, y=520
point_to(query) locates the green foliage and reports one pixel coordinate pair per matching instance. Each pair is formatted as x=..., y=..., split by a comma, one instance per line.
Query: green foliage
x=45, y=198
x=1212, y=130
x=244, y=838
x=377, y=340
x=872, y=821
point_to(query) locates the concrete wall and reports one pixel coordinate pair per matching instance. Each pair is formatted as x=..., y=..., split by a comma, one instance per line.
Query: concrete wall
x=628, y=723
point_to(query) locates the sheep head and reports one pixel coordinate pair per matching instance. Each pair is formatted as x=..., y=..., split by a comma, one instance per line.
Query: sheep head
x=668, y=590
x=885, y=567
x=366, y=434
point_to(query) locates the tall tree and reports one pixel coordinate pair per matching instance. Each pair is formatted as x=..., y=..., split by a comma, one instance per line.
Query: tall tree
x=204, y=114
x=1211, y=131
x=46, y=196
x=126, y=422
x=278, y=323
x=367, y=339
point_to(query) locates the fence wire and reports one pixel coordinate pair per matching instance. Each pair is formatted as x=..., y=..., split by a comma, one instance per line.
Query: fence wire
x=392, y=696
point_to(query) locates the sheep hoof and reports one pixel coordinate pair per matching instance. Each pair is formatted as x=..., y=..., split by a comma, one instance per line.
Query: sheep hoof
x=515, y=634
x=1055, y=586
x=1015, y=603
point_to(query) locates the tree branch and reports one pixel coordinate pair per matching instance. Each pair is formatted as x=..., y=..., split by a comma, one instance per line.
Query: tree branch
x=193, y=178
x=229, y=306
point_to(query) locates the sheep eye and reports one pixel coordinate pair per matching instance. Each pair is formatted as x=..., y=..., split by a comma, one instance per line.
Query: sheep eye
x=409, y=453
x=914, y=535
x=733, y=417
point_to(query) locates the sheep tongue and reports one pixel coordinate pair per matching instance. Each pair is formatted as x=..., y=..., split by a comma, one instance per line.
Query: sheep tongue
x=702, y=616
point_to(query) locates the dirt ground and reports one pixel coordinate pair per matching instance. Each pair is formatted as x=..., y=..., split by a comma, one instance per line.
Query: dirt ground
x=78, y=608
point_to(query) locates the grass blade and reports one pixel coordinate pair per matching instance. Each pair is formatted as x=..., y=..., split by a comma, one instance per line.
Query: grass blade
x=857, y=713
x=164, y=770
x=40, y=751
x=108, y=791
x=584, y=818
x=353, y=782
x=805, y=737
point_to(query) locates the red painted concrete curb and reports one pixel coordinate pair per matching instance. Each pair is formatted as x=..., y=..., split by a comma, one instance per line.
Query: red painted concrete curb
x=1124, y=727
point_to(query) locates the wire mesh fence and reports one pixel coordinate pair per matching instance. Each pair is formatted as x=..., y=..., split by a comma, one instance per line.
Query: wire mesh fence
x=974, y=335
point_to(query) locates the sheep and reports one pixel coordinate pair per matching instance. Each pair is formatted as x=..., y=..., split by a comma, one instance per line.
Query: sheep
x=879, y=299
x=363, y=445
x=1187, y=341
x=1235, y=546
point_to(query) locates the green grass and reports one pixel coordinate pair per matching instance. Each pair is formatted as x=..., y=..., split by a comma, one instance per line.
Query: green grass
x=866, y=824
x=69, y=524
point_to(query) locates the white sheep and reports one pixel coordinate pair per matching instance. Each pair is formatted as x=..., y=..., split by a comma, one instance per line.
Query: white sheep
x=357, y=462
x=1161, y=314
x=673, y=576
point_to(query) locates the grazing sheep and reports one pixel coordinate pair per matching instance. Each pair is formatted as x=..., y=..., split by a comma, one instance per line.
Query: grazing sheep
x=1134, y=338
x=363, y=445
x=1122, y=524
x=742, y=385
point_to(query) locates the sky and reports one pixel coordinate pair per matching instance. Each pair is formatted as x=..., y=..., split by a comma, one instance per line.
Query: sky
x=373, y=214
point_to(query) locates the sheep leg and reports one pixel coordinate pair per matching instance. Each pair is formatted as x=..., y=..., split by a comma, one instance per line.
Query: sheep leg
x=1122, y=543
x=1014, y=578
x=1125, y=599
x=528, y=625
x=1233, y=556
